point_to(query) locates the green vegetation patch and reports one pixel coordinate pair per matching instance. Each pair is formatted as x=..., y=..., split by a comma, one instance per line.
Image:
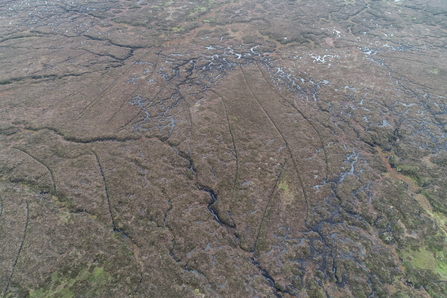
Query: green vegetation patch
x=284, y=186
x=68, y=284
x=436, y=202
x=414, y=173
x=427, y=260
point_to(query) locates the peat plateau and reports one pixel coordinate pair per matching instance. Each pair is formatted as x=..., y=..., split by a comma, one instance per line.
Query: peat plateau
x=219, y=148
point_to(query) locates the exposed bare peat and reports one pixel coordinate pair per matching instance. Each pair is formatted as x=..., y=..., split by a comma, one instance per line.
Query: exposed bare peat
x=223, y=148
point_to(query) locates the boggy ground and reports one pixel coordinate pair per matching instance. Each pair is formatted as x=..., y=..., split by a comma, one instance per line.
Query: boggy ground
x=223, y=149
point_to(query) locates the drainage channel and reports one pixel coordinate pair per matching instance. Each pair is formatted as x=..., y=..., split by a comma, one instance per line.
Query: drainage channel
x=215, y=213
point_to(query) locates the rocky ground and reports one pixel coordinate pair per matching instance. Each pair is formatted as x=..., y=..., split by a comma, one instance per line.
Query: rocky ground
x=223, y=148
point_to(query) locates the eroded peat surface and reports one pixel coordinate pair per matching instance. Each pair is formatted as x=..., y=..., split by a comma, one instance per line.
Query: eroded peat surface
x=223, y=148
